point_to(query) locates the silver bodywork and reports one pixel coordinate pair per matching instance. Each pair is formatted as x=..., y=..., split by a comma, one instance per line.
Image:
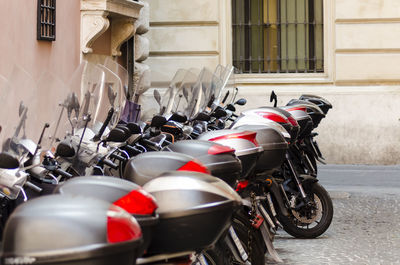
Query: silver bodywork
x=242, y=146
x=254, y=119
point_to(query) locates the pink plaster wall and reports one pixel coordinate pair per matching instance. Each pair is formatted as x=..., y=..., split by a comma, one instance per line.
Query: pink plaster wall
x=18, y=42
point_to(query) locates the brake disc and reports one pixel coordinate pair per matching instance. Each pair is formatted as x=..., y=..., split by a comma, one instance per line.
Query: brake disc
x=316, y=213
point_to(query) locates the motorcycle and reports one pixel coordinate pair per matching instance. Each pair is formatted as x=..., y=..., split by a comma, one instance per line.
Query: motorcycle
x=309, y=205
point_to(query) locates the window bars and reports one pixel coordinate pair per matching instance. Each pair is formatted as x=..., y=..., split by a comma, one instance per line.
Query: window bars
x=46, y=20
x=278, y=36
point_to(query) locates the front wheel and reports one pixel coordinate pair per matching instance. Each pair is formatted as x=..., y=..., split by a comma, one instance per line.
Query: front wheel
x=312, y=219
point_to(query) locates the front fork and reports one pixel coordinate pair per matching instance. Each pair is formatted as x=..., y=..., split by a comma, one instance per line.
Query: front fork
x=295, y=176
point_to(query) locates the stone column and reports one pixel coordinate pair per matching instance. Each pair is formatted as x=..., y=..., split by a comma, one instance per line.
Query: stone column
x=142, y=46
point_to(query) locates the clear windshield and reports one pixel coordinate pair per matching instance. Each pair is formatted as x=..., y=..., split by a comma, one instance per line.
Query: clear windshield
x=112, y=97
x=226, y=93
x=122, y=73
x=72, y=103
x=19, y=117
x=179, y=93
x=143, y=85
x=90, y=79
x=53, y=102
x=167, y=100
x=175, y=98
x=4, y=86
x=203, y=92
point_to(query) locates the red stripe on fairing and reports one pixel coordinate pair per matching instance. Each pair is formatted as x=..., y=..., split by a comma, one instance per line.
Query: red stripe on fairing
x=246, y=135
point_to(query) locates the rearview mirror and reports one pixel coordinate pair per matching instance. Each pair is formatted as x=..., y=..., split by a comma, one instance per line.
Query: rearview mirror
x=157, y=96
x=241, y=102
x=274, y=98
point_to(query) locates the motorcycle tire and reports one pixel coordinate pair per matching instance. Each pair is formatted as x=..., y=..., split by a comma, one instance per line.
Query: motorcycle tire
x=299, y=226
x=216, y=255
x=244, y=230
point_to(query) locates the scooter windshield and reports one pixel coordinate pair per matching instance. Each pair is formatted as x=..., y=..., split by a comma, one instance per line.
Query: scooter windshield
x=203, y=92
x=226, y=93
x=175, y=98
x=4, y=86
x=59, y=108
x=123, y=75
x=19, y=117
x=111, y=101
x=168, y=101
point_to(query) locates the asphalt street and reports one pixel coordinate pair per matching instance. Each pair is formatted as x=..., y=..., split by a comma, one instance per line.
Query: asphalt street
x=366, y=223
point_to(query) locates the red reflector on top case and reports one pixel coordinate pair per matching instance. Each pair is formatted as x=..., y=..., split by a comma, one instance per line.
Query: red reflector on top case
x=137, y=202
x=194, y=166
x=220, y=149
x=121, y=226
x=246, y=135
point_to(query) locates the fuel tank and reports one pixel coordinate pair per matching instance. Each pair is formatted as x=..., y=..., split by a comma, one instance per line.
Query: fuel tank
x=274, y=147
x=70, y=230
x=244, y=142
x=219, y=159
x=125, y=194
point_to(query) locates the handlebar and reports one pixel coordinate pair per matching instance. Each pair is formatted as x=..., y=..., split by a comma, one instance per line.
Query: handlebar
x=62, y=173
x=33, y=187
x=118, y=157
x=148, y=142
x=110, y=163
x=132, y=150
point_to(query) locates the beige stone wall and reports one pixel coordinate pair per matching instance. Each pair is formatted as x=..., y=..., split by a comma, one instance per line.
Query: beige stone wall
x=361, y=79
x=183, y=34
x=367, y=41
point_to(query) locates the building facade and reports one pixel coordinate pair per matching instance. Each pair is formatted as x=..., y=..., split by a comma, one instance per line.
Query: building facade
x=347, y=51
x=54, y=36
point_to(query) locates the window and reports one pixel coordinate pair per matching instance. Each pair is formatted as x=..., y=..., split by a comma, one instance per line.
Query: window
x=46, y=20
x=278, y=36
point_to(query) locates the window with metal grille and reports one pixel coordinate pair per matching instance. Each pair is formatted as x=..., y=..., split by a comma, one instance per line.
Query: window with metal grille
x=46, y=20
x=278, y=36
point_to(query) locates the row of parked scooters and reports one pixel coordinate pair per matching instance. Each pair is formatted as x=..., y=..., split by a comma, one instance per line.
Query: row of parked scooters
x=92, y=172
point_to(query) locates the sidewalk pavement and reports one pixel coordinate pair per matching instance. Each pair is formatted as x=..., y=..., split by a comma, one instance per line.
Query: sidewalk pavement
x=365, y=228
